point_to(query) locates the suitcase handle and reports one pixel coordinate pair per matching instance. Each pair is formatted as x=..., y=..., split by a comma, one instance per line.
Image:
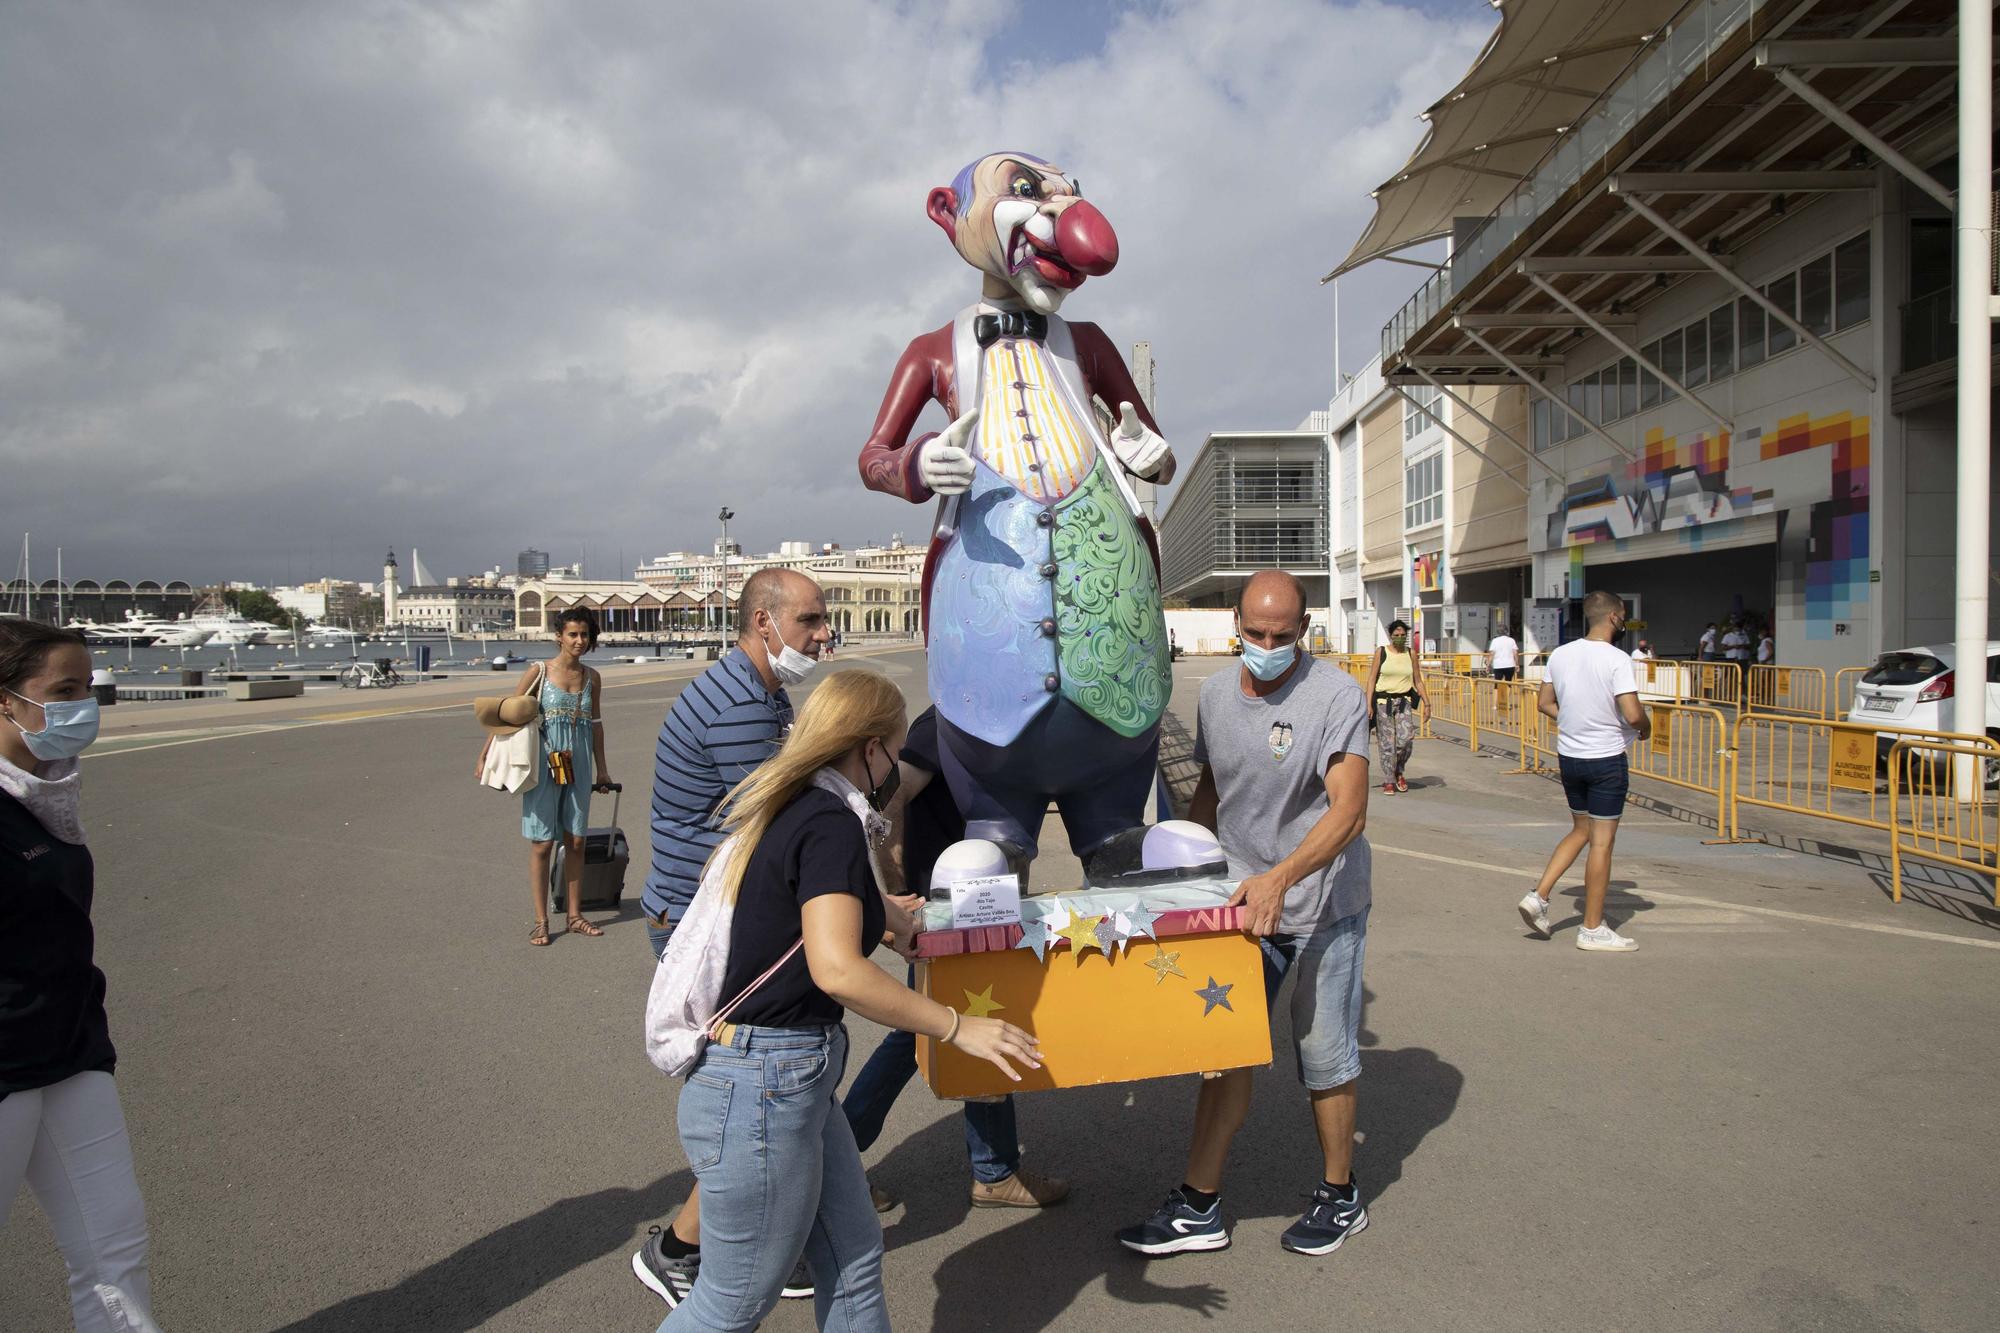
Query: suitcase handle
x=617, y=791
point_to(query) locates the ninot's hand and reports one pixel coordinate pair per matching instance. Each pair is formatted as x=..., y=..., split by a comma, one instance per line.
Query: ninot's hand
x=1139, y=448
x=945, y=463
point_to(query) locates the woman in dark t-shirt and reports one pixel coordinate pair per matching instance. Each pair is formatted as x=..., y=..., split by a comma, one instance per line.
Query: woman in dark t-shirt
x=775, y=1159
x=61, y=1127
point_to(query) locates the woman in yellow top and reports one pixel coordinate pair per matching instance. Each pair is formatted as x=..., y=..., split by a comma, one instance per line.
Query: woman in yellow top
x=1396, y=684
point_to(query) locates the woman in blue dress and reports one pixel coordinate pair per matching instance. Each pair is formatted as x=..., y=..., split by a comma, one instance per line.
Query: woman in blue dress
x=572, y=729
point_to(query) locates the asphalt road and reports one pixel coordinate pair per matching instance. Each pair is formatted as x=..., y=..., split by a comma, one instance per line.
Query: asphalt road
x=360, y=1101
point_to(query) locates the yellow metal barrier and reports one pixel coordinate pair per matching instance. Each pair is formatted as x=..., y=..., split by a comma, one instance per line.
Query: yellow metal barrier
x=1928, y=819
x=1812, y=766
x=1689, y=748
x=1843, y=690
x=1772, y=688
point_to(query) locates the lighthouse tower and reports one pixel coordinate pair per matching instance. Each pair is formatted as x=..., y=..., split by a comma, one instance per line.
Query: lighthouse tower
x=389, y=589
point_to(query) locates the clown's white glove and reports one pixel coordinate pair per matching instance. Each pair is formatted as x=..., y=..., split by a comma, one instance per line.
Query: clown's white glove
x=1140, y=449
x=944, y=464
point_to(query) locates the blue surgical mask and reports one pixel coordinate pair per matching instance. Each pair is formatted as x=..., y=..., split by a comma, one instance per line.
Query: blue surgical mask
x=1268, y=663
x=68, y=728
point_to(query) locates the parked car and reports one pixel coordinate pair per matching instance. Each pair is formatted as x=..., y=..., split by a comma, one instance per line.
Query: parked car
x=1919, y=688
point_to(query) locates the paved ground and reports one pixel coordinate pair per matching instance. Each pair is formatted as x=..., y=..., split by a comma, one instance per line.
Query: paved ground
x=361, y=1102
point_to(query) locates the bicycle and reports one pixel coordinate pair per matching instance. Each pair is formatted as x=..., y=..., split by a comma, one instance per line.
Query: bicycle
x=369, y=676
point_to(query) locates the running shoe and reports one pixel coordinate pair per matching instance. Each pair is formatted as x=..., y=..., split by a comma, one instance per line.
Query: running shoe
x=1535, y=911
x=1604, y=940
x=1177, y=1227
x=1328, y=1222
x=799, y=1286
x=669, y=1279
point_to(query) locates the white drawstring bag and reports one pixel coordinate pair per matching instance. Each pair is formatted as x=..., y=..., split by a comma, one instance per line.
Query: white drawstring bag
x=682, y=1010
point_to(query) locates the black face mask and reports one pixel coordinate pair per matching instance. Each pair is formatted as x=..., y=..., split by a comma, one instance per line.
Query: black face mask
x=884, y=791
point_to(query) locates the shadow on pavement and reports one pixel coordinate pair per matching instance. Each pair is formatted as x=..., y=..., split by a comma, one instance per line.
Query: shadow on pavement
x=466, y=1288
x=1121, y=1173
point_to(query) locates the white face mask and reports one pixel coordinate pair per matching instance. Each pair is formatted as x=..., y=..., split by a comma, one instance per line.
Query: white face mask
x=790, y=665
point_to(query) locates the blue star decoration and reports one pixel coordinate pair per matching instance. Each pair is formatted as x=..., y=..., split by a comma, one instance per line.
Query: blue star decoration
x=1035, y=935
x=1212, y=995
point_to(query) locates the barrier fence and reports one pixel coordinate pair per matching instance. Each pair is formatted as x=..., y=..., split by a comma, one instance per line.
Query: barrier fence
x=1814, y=766
x=1843, y=689
x=1786, y=689
x=1929, y=819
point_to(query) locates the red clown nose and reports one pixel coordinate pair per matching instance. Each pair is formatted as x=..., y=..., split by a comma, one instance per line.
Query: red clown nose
x=1085, y=240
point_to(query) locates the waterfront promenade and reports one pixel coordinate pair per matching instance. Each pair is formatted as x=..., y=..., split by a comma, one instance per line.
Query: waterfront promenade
x=360, y=1101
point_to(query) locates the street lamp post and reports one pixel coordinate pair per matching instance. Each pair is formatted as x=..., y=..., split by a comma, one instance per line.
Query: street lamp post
x=722, y=610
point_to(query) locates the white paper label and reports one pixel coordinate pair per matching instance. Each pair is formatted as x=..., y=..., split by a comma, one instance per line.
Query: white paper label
x=991, y=900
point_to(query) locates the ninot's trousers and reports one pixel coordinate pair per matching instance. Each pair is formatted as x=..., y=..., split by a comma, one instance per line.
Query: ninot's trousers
x=68, y=1142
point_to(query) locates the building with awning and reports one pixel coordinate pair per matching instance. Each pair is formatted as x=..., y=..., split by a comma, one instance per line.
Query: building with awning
x=1722, y=279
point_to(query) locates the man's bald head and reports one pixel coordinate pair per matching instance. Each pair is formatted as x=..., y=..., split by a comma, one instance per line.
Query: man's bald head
x=1272, y=593
x=771, y=591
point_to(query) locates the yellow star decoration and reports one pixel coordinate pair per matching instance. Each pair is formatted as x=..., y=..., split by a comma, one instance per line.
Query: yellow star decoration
x=1080, y=934
x=1165, y=964
x=982, y=1004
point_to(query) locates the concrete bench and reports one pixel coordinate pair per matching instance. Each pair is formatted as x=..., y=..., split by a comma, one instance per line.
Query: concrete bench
x=266, y=689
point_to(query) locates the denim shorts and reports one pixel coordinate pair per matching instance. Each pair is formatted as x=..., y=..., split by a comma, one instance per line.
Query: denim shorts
x=1596, y=787
x=1326, y=1003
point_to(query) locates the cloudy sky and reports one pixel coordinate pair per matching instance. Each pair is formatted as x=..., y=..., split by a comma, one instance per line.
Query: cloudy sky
x=285, y=285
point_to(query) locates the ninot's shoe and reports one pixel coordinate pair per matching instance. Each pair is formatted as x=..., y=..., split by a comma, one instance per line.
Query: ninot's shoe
x=1328, y=1222
x=1176, y=1227
x=669, y=1279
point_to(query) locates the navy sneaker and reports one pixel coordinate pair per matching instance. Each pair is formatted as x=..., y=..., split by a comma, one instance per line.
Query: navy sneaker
x=1177, y=1227
x=799, y=1286
x=669, y=1279
x=1329, y=1220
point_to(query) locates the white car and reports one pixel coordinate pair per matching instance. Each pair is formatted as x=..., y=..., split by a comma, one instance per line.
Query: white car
x=1918, y=687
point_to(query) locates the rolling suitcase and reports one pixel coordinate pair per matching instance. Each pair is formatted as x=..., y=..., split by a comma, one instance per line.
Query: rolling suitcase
x=605, y=856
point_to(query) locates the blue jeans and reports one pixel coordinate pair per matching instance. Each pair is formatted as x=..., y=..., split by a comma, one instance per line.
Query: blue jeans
x=779, y=1175
x=1326, y=1004
x=990, y=1138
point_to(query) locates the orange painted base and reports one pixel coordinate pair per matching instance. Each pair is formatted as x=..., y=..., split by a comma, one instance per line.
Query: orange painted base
x=1103, y=1020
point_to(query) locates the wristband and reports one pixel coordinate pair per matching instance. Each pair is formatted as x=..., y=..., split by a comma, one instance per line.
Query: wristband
x=948, y=1037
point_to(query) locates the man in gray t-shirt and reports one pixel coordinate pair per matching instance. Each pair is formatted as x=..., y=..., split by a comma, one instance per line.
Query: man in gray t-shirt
x=1282, y=741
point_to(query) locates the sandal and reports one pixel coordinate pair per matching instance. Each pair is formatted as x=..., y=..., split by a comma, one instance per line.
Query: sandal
x=578, y=926
x=540, y=933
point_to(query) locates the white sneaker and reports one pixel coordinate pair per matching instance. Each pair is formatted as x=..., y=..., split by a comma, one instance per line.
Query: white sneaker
x=1604, y=940
x=1535, y=911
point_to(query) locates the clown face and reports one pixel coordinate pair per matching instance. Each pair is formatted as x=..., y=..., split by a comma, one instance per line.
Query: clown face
x=1023, y=223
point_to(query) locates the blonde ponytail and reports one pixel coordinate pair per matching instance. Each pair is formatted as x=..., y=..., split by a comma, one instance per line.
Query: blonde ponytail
x=848, y=708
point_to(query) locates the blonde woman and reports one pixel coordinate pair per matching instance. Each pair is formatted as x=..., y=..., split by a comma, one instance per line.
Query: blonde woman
x=774, y=1157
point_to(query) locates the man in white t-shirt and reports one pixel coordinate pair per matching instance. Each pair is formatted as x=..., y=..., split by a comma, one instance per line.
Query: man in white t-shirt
x=1590, y=692
x=1736, y=644
x=1503, y=656
x=1707, y=653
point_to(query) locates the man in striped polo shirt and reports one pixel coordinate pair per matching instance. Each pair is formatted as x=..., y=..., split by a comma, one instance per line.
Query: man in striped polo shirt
x=726, y=722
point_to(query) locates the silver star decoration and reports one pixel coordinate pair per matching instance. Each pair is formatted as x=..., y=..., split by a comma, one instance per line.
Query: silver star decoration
x=1107, y=936
x=1139, y=921
x=1212, y=995
x=1035, y=935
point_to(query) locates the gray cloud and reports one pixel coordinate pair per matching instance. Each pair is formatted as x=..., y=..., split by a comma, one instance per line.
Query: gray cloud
x=286, y=285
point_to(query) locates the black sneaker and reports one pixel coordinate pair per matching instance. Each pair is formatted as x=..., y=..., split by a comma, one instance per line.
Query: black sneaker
x=669, y=1279
x=799, y=1286
x=1329, y=1221
x=1177, y=1227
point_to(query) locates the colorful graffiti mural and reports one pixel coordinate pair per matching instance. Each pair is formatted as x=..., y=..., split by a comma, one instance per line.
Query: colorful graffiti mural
x=1811, y=472
x=1427, y=571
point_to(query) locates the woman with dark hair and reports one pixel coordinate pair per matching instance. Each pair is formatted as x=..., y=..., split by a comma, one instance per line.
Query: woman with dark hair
x=1396, y=684
x=571, y=766
x=61, y=1127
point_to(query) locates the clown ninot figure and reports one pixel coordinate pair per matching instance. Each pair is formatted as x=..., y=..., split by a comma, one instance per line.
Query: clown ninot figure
x=1049, y=662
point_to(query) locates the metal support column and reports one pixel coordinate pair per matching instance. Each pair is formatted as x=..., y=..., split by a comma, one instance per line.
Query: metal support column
x=1548, y=393
x=1687, y=243
x=1548, y=289
x=1445, y=426
x=1488, y=422
x=1861, y=134
x=1975, y=376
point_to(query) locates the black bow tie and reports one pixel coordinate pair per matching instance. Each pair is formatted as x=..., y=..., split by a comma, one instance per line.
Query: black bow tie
x=1010, y=324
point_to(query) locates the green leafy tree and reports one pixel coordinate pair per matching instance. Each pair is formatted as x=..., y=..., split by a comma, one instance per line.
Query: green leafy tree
x=256, y=604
